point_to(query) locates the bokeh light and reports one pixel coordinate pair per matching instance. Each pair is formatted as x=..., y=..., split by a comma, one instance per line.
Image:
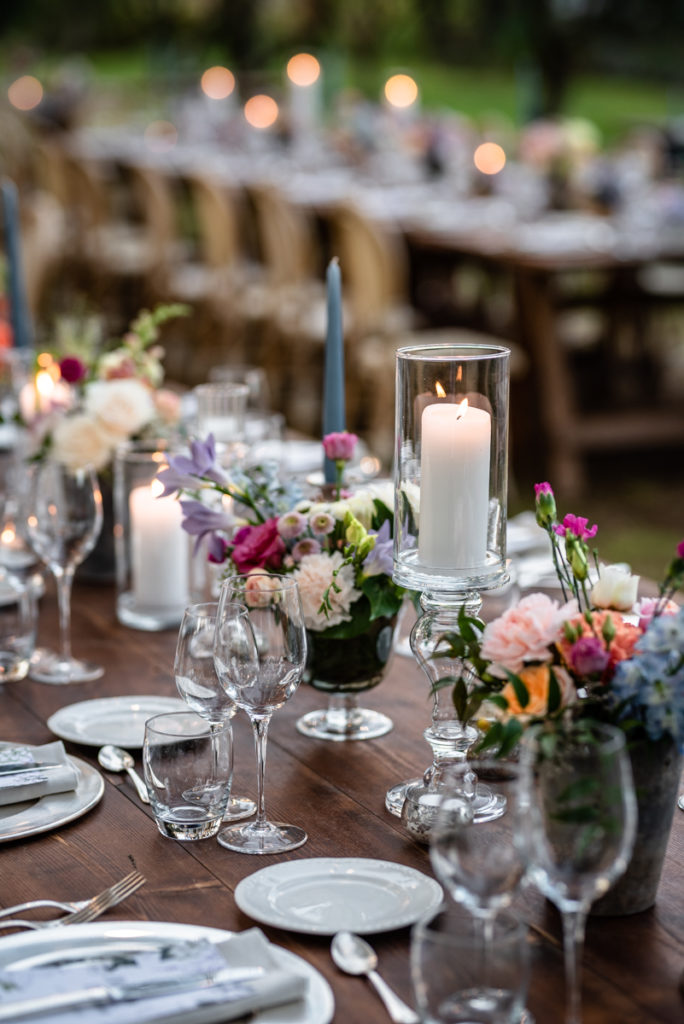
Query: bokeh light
x=25, y=93
x=161, y=136
x=261, y=111
x=303, y=69
x=401, y=91
x=217, y=83
x=489, y=158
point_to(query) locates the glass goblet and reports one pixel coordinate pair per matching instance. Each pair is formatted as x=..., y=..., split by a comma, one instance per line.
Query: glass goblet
x=63, y=522
x=582, y=822
x=260, y=653
x=198, y=685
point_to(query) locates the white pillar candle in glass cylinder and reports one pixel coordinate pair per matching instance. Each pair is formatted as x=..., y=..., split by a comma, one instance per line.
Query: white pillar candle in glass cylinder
x=160, y=557
x=454, y=485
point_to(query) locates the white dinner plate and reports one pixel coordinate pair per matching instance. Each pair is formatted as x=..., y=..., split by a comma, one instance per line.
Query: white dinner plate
x=117, y=720
x=324, y=895
x=97, y=940
x=30, y=817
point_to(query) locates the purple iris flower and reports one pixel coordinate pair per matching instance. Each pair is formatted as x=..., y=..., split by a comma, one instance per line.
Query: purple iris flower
x=183, y=472
x=198, y=521
x=379, y=561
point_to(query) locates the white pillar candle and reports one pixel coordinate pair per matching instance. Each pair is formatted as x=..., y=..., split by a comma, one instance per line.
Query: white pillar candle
x=454, y=485
x=160, y=556
x=226, y=429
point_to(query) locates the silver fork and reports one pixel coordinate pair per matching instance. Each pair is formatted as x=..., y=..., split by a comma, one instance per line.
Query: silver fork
x=93, y=908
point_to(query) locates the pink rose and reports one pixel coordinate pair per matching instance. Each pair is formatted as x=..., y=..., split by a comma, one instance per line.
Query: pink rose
x=339, y=446
x=525, y=633
x=258, y=547
x=260, y=589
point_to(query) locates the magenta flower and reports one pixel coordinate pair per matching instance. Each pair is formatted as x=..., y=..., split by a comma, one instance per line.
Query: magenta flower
x=543, y=488
x=545, y=503
x=577, y=526
x=258, y=547
x=680, y=549
x=339, y=446
x=72, y=369
x=588, y=656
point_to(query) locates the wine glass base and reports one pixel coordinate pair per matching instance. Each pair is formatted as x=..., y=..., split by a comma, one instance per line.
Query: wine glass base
x=50, y=667
x=239, y=807
x=487, y=806
x=361, y=724
x=270, y=838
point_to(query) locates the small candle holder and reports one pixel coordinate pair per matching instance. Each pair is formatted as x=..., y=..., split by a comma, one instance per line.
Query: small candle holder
x=450, y=520
x=152, y=550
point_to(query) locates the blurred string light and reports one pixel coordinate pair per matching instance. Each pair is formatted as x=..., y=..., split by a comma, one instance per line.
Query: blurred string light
x=489, y=158
x=161, y=136
x=217, y=83
x=401, y=91
x=303, y=69
x=261, y=111
x=25, y=93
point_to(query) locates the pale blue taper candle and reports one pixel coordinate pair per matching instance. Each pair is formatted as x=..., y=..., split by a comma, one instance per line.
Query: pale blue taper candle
x=333, y=385
x=20, y=320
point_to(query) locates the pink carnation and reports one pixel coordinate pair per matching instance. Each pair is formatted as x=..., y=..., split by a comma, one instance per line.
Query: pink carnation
x=578, y=526
x=526, y=632
x=339, y=446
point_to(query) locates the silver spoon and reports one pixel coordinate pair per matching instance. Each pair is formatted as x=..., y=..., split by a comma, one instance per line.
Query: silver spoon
x=353, y=955
x=680, y=802
x=114, y=759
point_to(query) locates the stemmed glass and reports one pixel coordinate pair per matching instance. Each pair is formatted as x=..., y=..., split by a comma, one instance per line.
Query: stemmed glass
x=582, y=821
x=63, y=523
x=198, y=685
x=260, y=653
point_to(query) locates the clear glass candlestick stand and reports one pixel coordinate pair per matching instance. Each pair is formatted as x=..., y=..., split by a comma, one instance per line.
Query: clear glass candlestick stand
x=450, y=519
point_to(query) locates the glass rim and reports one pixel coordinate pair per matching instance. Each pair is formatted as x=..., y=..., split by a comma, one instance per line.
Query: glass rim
x=229, y=387
x=155, y=724
x=610, y=738
x=287, y=581
x=462, y=350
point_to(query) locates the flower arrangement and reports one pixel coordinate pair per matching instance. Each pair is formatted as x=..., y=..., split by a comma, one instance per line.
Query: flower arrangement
x=600, y=654
x=87, y=401
x=338, y=547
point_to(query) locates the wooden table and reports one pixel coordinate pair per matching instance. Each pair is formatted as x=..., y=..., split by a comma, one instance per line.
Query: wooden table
x=336, y=791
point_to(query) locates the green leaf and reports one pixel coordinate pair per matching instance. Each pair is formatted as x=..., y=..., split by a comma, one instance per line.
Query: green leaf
x=554, y=700
x=521, y=692
x=492, y=738
x=512, y=732
x=460, y=699
x=384, y=597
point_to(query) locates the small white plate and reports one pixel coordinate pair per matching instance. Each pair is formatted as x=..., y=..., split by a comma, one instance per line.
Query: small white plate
x=324, y=895
x=117, y=720
x=92, y=941
x=30, y=817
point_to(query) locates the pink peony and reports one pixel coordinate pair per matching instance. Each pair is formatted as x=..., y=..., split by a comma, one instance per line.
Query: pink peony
x=525, y=633
x=339, y=446
x=258, y=547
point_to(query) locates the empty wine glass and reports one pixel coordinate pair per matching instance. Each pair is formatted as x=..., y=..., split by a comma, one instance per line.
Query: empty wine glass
x=198, y=685
x=582, y=822
x=260, y=653
x=63, y=523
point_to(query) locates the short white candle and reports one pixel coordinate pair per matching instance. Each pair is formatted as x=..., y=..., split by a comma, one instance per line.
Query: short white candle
x=160, y=556
x=226, y=429
x=454, y=485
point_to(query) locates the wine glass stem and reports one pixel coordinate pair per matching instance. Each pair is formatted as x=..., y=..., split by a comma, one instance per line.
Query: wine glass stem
x=63, y=579
x=573, y=943
x=260, y=727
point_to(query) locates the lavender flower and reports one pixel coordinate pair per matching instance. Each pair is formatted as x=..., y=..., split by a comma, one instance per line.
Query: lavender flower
x=184, y=473
x=379, y=561
x=198, y=521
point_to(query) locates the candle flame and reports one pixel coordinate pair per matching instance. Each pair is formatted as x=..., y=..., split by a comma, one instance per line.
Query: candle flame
x=462, y=408
x=441, y=393
x=8, y=535
x=45, y=385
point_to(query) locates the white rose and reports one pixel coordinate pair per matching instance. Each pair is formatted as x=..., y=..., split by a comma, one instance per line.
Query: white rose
x=123, y=406
x=80, y=440
x=616, y=588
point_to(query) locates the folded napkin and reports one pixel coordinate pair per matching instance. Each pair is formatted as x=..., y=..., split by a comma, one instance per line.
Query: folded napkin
x=34, y=779
x=179, y=983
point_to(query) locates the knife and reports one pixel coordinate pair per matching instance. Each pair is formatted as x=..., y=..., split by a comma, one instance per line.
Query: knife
x=103, y=995
x=35, y=766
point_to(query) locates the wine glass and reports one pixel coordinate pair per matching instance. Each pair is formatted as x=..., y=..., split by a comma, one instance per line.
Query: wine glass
x=198, y=685
x=260, y=653
x=63, y=523
x=582, y=822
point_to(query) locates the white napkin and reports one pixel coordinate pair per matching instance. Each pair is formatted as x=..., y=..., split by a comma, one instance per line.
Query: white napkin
x=34, y=782
x=171, y=967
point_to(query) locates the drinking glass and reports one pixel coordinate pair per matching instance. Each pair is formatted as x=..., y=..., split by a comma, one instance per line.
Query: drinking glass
x=63, y=523
x=188, y=771
x=198, y=685
x=582, y=822
x=458, y=978
x=260, y=653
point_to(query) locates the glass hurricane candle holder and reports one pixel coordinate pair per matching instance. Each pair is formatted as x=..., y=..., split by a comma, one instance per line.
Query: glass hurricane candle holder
x=451, y=470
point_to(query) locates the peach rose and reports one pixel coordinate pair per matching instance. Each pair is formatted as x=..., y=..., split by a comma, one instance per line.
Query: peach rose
x=260, y=588
x=525, y=633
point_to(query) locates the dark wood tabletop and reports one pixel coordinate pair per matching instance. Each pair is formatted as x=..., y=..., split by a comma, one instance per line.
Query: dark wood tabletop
x=632, y=965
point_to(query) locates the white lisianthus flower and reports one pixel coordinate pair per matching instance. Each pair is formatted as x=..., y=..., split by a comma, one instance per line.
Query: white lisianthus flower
x=314, y=575
x=361, y=505
x=123, y=406
x=81, y=440
x=381, y=490
x=412, y=493
x=616, y=588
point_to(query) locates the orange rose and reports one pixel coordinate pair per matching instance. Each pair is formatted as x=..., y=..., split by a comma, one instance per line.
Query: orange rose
x=537, y=678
